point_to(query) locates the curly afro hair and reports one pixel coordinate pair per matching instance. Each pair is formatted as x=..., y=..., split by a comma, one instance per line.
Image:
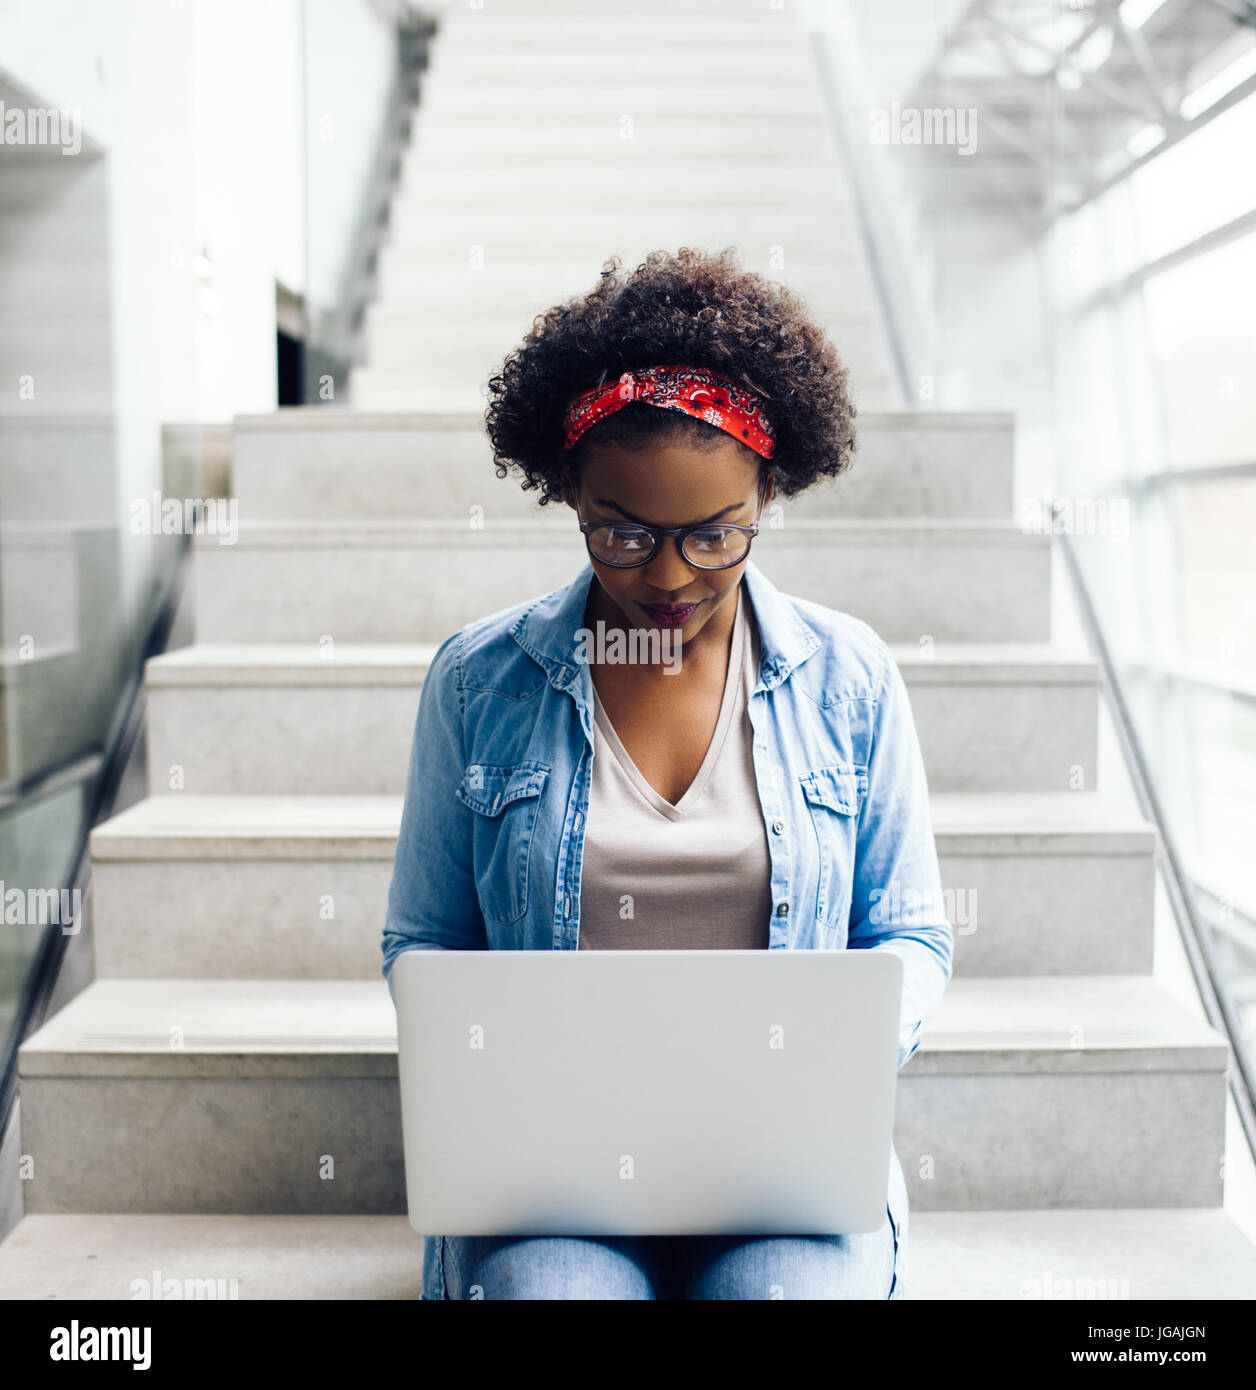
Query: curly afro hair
x=693, y=308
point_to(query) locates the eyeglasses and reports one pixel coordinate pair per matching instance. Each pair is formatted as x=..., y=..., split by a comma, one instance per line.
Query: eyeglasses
x=709, y=546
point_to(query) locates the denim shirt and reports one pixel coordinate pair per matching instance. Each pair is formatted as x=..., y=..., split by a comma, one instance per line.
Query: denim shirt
x=492, y=831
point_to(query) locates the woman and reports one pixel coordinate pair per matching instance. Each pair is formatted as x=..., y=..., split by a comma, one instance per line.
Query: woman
x=755, y=783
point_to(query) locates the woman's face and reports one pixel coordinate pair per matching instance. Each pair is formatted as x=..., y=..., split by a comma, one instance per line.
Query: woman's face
x=669, y=484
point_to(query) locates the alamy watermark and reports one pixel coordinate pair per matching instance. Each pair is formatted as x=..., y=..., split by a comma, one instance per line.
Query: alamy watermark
x=190, y=1287
x=1050, y=1285
x=897, y=124
x=78, y=1342
x=40, y=907
x=631, y=647
x=192, y=516
x=1077, y=516
x=40, y=125
x=905, y=904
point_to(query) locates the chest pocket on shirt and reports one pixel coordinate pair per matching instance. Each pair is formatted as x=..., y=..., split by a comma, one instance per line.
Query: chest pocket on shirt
x=834, y=796
x=506, y=801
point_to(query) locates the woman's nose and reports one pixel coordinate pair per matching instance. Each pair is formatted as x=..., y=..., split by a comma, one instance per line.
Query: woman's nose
x=667, y=568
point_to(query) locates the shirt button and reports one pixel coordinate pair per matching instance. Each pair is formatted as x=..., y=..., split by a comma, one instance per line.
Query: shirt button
x=782, y=909
x=778, y=826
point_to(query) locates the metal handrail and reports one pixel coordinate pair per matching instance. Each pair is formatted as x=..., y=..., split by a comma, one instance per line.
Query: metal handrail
x=1188, y=477
x=1195, y=940
x=123, y=736
x=48, y=781
x=1221, y=680
x=826, y=56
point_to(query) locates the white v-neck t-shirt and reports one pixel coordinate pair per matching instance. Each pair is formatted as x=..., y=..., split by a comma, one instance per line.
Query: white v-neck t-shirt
x=694, y=875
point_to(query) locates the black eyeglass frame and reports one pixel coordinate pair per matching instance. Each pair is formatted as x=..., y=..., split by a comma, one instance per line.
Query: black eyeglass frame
x=657, y=533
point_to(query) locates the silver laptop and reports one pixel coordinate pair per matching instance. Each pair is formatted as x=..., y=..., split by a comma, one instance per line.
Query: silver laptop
x=647, y=1092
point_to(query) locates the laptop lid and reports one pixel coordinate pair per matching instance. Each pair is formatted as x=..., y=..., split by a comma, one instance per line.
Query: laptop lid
x=647, y=1092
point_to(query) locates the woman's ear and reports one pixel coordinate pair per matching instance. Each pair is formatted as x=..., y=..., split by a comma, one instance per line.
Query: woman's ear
x=569, y=490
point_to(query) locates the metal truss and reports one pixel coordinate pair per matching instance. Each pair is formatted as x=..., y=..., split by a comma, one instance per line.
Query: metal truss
x=1071, y=97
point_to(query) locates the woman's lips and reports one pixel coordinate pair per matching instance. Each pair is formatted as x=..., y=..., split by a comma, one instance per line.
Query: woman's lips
x=670, y=614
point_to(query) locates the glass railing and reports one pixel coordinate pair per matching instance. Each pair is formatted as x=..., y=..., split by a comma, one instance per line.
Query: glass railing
x=360, y=87
x=170, y=256
x=1066, y=206
x=1155, y=338
x=65, y=624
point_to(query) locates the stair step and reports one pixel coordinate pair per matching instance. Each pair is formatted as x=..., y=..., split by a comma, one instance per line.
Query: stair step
x=230, y=1095
x=1049, y=883
x=1162, y=1253
x=279, y=1257
x=659, y=139
x=1165, y=1253
x=414, y=581
x=248, y=887
x=873, y=386
x=590, y=235
x=539, y=38
x=1011, y=717
x=489, y=298
x=538, y=35
x=499, y=280
x=501, y=277
x=270, y=717
x=1048, y=1091
x=436, y=353
x=489, y=304
x=1046, y=883
x=630, y=54
x=451, y=98
x=324, y=465
x=544, y=17
x=601, y=183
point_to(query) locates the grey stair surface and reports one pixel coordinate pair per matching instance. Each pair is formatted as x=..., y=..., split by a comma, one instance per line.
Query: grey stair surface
x=269, y=717
x=1052, y=1091
x=978, y=579
x=536, y=278
x=309, y=462
x=253, y=887
x=463, y=203
x=1163, y=1253
x=221, y=1103
x=211, y=1257
x=1035, y=883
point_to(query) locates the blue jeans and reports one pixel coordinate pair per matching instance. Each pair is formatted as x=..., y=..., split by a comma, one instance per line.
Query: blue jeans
x=867, y=1265
x=671, y=1267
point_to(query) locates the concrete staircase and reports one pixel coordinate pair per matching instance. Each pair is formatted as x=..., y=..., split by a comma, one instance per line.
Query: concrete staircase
x=551, y=136
x=222, y=1101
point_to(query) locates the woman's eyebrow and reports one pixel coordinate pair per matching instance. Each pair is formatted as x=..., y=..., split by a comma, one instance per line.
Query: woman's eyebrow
x=606, y=502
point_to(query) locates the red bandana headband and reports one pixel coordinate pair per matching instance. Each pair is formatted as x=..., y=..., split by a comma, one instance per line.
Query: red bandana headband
x=704, y=394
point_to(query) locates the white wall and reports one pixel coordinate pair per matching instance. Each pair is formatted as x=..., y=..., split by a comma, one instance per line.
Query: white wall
x=125, y=68
x=198, y=106
x=350, y=58
x=194, y=111
x=248, y=213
